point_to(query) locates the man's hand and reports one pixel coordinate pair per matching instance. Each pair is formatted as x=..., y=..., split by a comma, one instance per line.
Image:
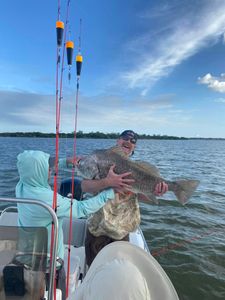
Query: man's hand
x=118, y=181
x=161, y=188
x=73, y=161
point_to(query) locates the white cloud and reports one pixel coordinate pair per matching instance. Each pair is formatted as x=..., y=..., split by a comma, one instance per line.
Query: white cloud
x=215, y=83
x=187, y=33
x=22, y=111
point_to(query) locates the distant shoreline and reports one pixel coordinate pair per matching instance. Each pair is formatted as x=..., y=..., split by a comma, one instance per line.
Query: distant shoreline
x=99, y=135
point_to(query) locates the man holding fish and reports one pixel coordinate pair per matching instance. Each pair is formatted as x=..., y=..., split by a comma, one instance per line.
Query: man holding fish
x=121, y=216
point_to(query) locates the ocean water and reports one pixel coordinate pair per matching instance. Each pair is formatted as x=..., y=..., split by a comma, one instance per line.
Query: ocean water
x=188, y=241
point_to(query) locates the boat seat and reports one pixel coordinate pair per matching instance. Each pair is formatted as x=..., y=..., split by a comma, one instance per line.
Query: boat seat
x=75, y=268
x=9, y=219
x=77, y=250
x=34, y=285
x=79, y=227
x=13, y=273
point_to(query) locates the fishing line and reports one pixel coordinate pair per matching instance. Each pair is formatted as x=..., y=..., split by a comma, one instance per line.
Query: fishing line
x=79, y=60
x=59, y=9
x=79, y=44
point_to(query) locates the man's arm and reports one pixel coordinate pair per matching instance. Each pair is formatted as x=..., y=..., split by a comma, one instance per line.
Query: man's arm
x=112, y=180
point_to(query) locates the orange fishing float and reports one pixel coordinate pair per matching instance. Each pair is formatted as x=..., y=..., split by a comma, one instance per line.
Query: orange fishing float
x=59, y=32
x=69, y=51
x=79, y=60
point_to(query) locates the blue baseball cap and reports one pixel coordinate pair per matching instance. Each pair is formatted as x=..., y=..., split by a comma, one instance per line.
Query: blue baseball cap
x=129, y=134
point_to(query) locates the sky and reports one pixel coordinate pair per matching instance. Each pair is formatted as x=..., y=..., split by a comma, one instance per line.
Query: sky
x=157, y=67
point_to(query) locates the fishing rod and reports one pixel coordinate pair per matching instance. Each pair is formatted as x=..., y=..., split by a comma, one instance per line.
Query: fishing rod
x=61, y=35
x=79, y=60
x=63, y=55
x=61, y=38
x=59, y=97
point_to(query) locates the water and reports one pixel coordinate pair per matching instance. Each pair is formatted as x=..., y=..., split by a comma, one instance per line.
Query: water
x=188, y=242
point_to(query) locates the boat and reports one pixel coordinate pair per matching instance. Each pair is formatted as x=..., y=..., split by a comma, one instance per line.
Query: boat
x=26, y=279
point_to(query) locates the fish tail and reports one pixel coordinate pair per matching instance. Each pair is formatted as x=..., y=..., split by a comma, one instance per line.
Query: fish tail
x=183, y=189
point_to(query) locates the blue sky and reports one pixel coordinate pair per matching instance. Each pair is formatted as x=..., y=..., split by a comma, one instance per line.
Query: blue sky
x=157, y=67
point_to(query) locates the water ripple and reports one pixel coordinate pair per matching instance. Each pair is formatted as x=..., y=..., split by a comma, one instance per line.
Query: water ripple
x=188, y=241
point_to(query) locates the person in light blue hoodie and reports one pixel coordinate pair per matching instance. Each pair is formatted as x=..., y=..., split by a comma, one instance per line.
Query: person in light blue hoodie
x=34, y=172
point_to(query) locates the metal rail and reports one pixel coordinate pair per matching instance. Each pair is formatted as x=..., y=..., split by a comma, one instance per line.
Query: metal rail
x=55, y=244
x=145, y=243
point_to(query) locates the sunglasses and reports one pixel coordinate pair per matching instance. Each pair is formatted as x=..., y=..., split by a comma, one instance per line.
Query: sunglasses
x=130, y=139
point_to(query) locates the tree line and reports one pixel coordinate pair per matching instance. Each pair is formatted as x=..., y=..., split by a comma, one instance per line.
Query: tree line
x=96, y=135
x=81, y=134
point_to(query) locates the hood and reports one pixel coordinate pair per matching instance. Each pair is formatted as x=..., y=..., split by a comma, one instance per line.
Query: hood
x=33, y=168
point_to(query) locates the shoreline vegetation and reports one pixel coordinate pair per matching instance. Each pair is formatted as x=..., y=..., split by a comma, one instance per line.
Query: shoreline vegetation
x=98, y=135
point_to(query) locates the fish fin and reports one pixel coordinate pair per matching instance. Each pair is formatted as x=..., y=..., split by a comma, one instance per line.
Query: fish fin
x=148, y=167
x=147, y=198
x=184, y=189
x=118, y=151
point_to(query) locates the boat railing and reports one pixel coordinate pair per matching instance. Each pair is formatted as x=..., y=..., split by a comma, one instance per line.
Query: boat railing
x=55, y=242
x=9, y=209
